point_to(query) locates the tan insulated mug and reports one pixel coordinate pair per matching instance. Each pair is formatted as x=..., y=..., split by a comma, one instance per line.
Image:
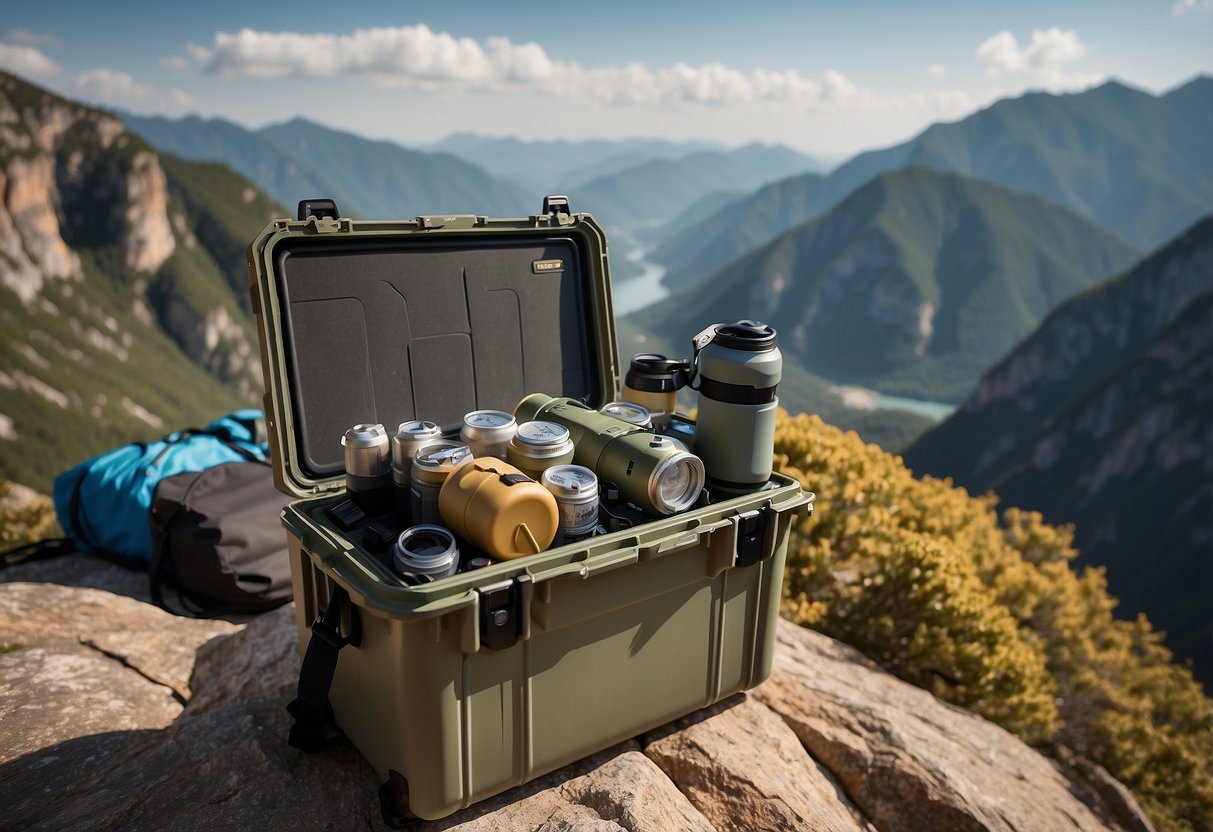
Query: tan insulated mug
x=498, y=508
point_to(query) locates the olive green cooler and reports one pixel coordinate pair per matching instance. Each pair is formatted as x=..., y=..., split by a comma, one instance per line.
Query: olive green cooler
x=459, y=689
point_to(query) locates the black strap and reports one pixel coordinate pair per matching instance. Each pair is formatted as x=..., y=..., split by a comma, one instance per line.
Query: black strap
x=314, y=728
x=38, y=550
x=77, y=512
x=223, y=436
x=722, y=391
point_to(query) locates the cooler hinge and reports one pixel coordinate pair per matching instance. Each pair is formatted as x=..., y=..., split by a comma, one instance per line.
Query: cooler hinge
x=751, y=536
x=500, y=614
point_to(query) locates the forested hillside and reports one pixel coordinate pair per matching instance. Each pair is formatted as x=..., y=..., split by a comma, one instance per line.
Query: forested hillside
x=1102, y=418
x=986, y=610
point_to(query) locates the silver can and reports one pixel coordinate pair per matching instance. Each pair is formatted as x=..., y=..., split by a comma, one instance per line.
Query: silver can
x=488, y=432
x=539, y=445
x=409, y=439
x=368, y=467
x=431, y=466
x=425, y=553
x=575, y=488
x=629, y=412
x=366, y=451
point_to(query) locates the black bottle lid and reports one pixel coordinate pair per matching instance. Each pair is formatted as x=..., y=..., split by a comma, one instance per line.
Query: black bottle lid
x=650, y=372
x=751, y=336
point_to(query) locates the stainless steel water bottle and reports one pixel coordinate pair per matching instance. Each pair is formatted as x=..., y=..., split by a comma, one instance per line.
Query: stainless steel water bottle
x=738, y=368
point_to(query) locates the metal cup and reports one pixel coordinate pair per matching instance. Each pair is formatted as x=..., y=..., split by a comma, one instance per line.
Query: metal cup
x=425, y=553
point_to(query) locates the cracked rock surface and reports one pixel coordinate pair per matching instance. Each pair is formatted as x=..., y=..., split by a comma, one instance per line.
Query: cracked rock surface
x=116, y=715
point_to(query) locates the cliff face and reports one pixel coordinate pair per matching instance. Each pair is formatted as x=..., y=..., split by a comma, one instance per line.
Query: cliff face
x=121, y=286
x=1101, y=418
x=63, y=162
x=103, y=691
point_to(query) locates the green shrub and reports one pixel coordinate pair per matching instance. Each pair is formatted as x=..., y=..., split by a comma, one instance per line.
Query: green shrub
x=987, y=613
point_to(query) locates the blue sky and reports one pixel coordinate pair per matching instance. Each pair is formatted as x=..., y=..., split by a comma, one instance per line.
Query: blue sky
x=828, y=78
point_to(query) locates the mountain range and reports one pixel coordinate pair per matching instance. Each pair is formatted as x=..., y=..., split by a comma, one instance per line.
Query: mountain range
x=1139, y=165
x=624, y=188
x=125, y=309
x=913, y=285
x=370, y=179
x=656, y=191
x=540, y=164
x=1104, y=418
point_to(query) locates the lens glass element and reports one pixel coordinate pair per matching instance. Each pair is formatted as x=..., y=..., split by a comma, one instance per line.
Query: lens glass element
x=679, y=479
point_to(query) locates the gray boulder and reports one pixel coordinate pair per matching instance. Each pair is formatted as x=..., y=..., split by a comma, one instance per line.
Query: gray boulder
x=117, y=715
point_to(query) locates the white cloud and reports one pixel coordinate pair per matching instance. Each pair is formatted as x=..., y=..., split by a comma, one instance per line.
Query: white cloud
x=26, y=60
x=175, y=62
x=31, y=38
x=1044, y=60
x=418, y=58
x=937, y=71
x=111, y=88
x=1184, y=6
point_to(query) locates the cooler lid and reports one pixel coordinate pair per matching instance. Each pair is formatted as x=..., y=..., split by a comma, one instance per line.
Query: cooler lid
x=391, y=321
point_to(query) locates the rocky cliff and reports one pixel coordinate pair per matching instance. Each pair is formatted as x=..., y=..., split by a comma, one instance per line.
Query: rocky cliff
x=118, y=715
x=1101, y=419
x=121, y=286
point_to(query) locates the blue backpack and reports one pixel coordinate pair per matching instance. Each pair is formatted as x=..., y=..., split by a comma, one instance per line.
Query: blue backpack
x=102, y=503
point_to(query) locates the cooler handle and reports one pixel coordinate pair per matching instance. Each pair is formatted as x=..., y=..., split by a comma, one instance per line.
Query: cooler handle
x=591, y=567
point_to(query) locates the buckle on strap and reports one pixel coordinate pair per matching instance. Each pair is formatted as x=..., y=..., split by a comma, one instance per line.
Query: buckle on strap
x=328, y=624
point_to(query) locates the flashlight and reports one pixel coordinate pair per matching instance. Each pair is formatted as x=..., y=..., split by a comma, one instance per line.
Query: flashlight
x=651, y=470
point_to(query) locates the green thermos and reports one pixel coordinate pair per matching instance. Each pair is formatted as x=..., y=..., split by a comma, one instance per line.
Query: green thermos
x=738, y=367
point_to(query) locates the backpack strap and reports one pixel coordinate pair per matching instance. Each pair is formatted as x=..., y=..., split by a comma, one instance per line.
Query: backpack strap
x=219, y=435
x=314, y=728
x=79, y=521
x=38, y=550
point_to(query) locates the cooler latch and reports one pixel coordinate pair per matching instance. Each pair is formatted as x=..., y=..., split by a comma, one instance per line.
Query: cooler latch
x=557, y=207
x=318, y=208
x=751, y=534
x=500, y=614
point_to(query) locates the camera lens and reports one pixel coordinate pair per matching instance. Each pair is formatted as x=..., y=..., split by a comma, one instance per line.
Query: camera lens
x=677, y=481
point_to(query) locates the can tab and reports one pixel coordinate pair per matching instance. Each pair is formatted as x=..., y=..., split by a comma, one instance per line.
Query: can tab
x=751, y=535
x=500, y=614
